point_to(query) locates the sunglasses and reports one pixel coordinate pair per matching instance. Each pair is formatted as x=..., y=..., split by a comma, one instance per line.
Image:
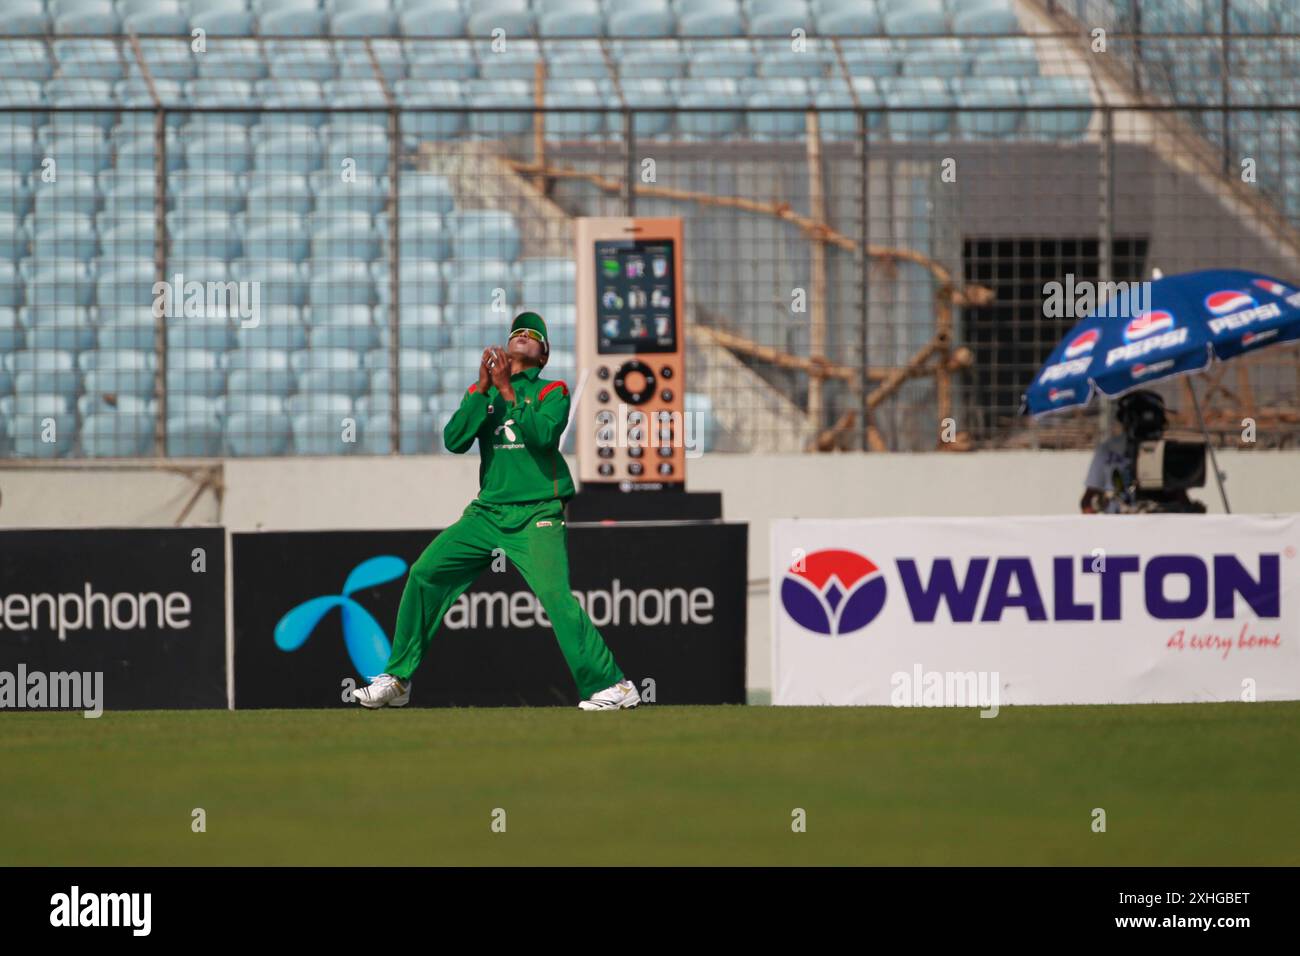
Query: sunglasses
x=531, y=333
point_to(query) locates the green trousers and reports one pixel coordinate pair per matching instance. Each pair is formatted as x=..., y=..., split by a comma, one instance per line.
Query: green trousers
x=534, y=538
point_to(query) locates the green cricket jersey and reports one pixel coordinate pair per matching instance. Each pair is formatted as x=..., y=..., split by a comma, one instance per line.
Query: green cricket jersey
x=519, y=443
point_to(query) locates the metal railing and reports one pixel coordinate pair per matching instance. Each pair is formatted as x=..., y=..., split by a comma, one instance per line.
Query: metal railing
x=865, y=268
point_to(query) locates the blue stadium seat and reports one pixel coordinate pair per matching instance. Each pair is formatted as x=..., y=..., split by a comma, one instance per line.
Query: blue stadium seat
x=816, y=61
x=125, y=284
x=545, y=281
x=342, y=283
x=723, y=20
x=281, y=282
x=987, y=91
x=275, y=194
x=277, y=238
x=329, y=370
x=11, y=286
x=422, y=237
x=25, y=60
x=479, y=234
x=126, y=330
x=735, y=59
x=343, y=336
x=515, y=20
x=583, y=116
x=479, y=282
x=108, y=404
x=64, y=283
x=11, y=339
x=419, y=371
x=65, y=328
x=660, y=61
x=708, y=125
x=194, y=371
x=117, y=435
x=71, y=193
x=987, y=19
x=27, y=432
x=421, y=327
x=257, y=403
x=502, y=107
x=785, y=124
x=432, y=21
x=129, y=196
x=917, y=17
x=279, y=327
x=265, y=371
x=420, y=284
x=194, y=435
x=448, y=60
x=343, y=240
x=941, y=58
x=871, y=57
x=1058, y=91
x=237, y=63
x=917, y=91
x=212, y=237
x=856, y=19
x=209, y=334
x=117, y=372
x=632, y=22
x=782, y=22
x=1005, y=56
x=38, y=403
x=307, y=59
x=223, y=22
x=252, y=434
x=419, y=434
x=163, y=20
x=206, y=193
x=367, y=194
x=14, y=238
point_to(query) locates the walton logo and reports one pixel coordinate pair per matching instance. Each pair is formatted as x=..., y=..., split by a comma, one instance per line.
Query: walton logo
x=367, y=644
x=833, y=592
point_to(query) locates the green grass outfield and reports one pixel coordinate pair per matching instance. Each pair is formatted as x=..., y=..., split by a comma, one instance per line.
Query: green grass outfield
x=1180, y=784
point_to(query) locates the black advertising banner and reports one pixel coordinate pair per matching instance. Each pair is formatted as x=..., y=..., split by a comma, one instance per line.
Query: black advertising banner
x=314, y=615
x=146, y=608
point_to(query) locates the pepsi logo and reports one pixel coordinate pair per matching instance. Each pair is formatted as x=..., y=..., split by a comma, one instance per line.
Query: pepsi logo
x=1271, y=287
x=1228, y=301
x=1082, y=343
x=1148, y=323
x=1060, y=394
x=1254, y=338
x=1142, y=369
x=833, y=592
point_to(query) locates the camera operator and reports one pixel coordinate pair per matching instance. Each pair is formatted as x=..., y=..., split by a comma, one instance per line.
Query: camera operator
x=1112, y=485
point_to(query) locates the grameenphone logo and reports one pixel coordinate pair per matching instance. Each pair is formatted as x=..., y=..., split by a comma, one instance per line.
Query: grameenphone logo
x=367, y=644
x=833, y=592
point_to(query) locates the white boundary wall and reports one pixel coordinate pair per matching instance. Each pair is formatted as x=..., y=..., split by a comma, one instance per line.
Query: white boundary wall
x=411, y=492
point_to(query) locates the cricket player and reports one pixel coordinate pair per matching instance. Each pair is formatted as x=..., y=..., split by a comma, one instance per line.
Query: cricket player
x=518, y=419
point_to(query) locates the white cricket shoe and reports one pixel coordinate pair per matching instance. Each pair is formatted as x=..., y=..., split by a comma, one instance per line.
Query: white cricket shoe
x=621, y=696
x=384, y=691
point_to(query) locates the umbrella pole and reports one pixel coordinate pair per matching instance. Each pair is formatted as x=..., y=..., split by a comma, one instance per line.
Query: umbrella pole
x=1214, y=462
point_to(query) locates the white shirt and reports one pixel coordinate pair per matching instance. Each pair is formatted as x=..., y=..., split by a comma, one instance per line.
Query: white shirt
x=1109, y=458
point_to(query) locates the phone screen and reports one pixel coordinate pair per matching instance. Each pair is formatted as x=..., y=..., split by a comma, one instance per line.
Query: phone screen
x=636, y=296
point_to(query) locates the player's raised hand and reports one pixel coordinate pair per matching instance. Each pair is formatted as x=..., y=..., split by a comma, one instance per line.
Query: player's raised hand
x=500, y=371
x=484, y=376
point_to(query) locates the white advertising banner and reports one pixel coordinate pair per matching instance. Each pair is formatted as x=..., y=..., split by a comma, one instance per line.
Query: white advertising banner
x=1036, y=610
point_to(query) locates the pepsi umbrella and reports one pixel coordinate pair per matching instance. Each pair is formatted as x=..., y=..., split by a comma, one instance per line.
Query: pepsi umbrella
x=1185, y=323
